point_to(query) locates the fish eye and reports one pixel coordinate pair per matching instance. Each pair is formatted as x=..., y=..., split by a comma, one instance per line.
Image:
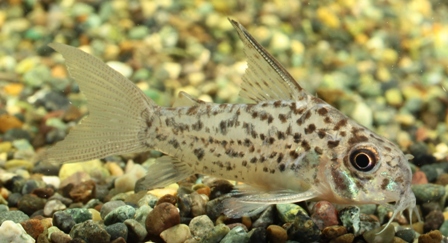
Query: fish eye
x=363, y=159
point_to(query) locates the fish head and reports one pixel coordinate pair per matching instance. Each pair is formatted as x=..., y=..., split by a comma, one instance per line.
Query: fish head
x=369, y=169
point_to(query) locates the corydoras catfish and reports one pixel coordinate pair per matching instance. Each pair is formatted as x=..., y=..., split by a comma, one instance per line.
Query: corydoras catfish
x=286, y=146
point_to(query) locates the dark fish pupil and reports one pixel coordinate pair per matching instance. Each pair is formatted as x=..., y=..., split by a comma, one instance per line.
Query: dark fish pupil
x=363, y=160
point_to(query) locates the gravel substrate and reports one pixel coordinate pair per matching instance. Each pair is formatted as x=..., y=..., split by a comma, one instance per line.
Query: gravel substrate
x=383, y=63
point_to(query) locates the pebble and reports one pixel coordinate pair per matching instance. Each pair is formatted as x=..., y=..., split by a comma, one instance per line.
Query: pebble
x=52, y=206
x=14, y=216
x=8, y=122
x=30, y=204
x=407, y=235
x=387, y=236
x=64, y=221
x=14, y=232
x=333, y=232
x=119, y=214
x=109, y=207
x=141, y=213
x=117, y=230
x=324, y=214
x=79, y=214
x=428, y=192
x=178, y=234
x=257, y=235
x=162, y=217
x=431, y=237
x=136, y=231
x=287, y=212
x=419, y=177
x=60, y=237
x=69, y=169
x=33, y=227
x=275, y=233
x=200, y=225
x=265, y=219
x=216, y=233
x=168, y=198
x=90, y=232
x=303, y=228
x=83, y=191
x=433, y=221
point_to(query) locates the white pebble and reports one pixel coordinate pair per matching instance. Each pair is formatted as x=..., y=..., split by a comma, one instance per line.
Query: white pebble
x=14, y=232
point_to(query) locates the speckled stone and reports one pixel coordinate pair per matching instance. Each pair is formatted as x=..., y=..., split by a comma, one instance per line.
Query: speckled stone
x=407, y=235
x=79, y=214
x=30, y=204
x=64, y=221
x=33, y=227
x=303, y=229
x=287, y=212
x=162, y=217
x=433, y=221
x=60, y=237
x=117, y=230
x=83, y=192
x=324, y=214
x=52, y=206
x=109, y=206
x=90, y=232
x=428, y=192
x=141, y=213
x=216, y=233
x=237, y=234
x=200, y=225
x=119, y=214
x=14, y=216
x=431, y=237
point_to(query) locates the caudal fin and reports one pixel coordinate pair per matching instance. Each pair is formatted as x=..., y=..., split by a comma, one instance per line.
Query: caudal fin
x=118, y=112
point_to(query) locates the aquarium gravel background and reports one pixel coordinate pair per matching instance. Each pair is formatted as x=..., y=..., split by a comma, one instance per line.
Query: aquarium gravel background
x=383, y=63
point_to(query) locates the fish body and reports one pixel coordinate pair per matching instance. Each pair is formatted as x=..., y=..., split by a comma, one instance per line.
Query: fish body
x=287, y=145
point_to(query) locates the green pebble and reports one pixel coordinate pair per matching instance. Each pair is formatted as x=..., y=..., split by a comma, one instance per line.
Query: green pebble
x=428, y=192
x=237, y=234
x=287, y=212
x=138, y=32
x=444, y=228
x=79, y=214
x=217, y=233
x=119, y=214
x=387, y=236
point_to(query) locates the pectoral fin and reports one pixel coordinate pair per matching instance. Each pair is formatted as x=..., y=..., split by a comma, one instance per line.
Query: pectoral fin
x=249, y=201
x=165, y=171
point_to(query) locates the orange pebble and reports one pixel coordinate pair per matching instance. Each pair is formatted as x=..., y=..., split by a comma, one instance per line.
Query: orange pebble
x=419, y=177
x=8, y=122
x=204, y=190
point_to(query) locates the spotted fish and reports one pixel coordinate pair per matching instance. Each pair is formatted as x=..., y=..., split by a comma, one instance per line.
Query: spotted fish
x=286, y=146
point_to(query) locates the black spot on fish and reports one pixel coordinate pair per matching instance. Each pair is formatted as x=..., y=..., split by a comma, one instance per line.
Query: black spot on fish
x=174, y=143
x=305, y=145
x=273, y=154
x=197, y=126
x=297, y=137
x=253, y=160
x=199, y=152
x=333, y=143
x=310, y=129
x=281, y=167
x=283, y=118
x=280, y=158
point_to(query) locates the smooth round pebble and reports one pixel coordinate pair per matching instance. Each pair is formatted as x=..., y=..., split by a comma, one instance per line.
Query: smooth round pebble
x=30, y=204
x=60, y=237
x=162, y=217
x=275, y=233
x=136, y=231
x=332, y=232
x=176, y=234
x=324, y=214
x=386, y=236
x=52, y=206
x=407, y=235
x=287, y=212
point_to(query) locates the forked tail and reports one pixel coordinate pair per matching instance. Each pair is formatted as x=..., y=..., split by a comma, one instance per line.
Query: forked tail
x=118, y=112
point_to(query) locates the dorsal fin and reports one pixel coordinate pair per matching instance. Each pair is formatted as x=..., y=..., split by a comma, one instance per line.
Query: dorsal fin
x=265, y=78
x=185, y=99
